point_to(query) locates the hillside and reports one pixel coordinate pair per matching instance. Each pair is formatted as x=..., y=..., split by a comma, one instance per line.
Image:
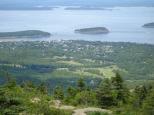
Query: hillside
x=63, y=62
x=106, y=99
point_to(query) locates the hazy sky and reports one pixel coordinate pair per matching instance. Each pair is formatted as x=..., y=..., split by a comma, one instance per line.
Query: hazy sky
x=28, y=3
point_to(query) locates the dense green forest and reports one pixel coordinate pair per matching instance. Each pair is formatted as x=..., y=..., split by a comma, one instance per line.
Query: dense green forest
x=64, y=62
x=112, y=95
x=74, y=77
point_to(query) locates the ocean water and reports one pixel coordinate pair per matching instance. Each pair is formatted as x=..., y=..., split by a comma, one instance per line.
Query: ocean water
x=124, y=23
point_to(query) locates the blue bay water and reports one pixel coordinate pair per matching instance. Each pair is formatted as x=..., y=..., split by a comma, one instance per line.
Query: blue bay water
x=124, y=23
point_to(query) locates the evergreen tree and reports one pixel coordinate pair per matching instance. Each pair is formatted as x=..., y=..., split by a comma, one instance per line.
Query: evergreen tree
x=28, y=84
x=71, y=92
x=140, y=95
x=42, y=88
x=104, y=94
x=7, y=76
x=148, y=105
x=120, y=91
x=9, y=103
x=85, y=98
x=11, y=83
x=81, y=84
x=59, y=93
x=117, y=81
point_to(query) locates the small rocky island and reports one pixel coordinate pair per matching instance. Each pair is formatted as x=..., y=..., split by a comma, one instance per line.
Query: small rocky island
x=149, y=25
x=25, y=34
x=93, y=31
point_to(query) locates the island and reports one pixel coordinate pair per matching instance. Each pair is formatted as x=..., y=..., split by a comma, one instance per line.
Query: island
x=25, y=34
x=149, y=25
x=86, y=8
x=93, y=31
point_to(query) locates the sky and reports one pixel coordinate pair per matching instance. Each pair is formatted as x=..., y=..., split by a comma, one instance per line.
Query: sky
x=30, y=3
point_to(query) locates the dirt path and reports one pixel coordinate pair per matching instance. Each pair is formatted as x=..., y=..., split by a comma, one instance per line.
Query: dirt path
x=90, y=109
x=77, y=111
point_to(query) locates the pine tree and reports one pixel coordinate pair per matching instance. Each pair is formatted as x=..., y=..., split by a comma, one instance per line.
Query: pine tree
x=148, y=105
x=104, y=94
x=120, y=91
x=81, y=84
x=42, y=88
x=140, y=95
x=10, y=104
x=71, y=92
x=59, y=93
x=28, y=84
x=11, y=83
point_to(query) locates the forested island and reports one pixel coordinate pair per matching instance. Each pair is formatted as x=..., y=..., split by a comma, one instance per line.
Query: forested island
x=149, y=25
x=86, y=8
x=25, y=34
x=93, y=31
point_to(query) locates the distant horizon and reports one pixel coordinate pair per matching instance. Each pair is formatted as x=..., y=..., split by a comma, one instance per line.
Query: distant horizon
x=31, y=4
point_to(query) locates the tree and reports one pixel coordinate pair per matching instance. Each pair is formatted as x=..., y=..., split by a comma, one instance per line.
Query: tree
x=117, y=81
x=28, y=84
x=104, y=94
x=42, y=88
x=140, y=95
x=148, y=105
x=85, y=98
x=11, y=83
x=81, y=84
x=59, y=93
x=71, y=92
x=120, y=91
x=7, y=76
x=9, y=103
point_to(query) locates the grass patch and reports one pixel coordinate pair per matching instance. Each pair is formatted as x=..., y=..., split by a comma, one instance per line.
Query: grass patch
x=71, y=62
